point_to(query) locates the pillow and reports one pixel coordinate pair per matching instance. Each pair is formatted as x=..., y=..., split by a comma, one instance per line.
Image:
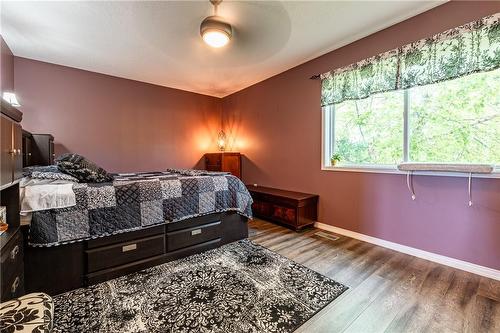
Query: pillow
x=50, y=172
x=27, y=171
x=53, y=176
x=82, y=169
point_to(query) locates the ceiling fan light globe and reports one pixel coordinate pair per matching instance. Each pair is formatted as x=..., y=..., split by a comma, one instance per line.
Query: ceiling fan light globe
x=215, y=38
x=215, y=32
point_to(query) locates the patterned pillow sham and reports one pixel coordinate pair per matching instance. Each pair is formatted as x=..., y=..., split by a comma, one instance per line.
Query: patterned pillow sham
x=50, y=172
x=53, y=176
x=82, y=169
x=27, y=171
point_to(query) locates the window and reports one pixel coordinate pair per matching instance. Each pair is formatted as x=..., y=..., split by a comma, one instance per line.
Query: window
x=455, y=121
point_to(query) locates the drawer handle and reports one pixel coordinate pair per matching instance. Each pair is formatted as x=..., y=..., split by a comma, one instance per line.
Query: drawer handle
x=195, y=232
x=14, y=286
x=14, y=252
x=130, y=247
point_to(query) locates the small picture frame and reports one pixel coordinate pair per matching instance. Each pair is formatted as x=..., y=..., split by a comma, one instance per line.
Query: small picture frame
x=3, y=219
x=3, y=214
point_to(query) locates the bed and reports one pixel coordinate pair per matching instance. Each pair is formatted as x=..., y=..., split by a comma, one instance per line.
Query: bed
x=135, y=221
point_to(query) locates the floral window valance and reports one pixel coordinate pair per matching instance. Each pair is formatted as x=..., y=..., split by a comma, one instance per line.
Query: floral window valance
x=471, y=48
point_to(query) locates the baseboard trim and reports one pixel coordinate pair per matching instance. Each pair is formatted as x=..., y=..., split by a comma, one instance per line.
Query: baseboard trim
x=440, y=259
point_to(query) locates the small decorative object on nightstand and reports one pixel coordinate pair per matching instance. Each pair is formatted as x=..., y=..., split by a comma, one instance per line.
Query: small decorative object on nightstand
x=228, y=162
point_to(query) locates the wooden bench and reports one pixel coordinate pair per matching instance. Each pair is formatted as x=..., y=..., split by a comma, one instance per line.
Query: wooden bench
x=295, y=210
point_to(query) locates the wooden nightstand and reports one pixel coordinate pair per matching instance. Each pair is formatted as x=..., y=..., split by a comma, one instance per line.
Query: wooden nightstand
x=12, y=264
x=228, y=162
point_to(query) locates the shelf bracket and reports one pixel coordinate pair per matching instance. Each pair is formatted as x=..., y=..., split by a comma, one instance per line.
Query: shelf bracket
x=409, y=184
x=469, y=189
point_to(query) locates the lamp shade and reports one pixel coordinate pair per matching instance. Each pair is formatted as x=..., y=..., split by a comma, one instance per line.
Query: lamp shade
x=11, y=98
x=221, y=140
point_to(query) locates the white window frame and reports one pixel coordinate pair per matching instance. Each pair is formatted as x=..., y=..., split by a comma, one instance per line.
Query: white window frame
x=328, y=147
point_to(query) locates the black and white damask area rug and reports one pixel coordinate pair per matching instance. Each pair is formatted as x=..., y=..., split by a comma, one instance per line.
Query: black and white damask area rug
x=239, y=287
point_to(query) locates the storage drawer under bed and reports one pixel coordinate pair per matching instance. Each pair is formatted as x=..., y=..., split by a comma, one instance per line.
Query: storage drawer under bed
x=195, y=235
x=122, y=253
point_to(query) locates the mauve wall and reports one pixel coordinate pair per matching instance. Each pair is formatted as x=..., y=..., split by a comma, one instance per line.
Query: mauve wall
x=6, y=67
x=121, y=124
x=277, y=125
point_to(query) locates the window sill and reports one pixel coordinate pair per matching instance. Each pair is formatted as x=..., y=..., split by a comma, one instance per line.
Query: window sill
x=393, y=170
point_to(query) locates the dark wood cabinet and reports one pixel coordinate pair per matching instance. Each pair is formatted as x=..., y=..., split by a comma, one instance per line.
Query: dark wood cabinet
x=27, y=149
x=12, y=264
x=293, y=209
x=226, y=162
x=17, y=144
x=11, y=148
x=37, y=149
x=11, y=241
x=6, y=157
x=43, y=149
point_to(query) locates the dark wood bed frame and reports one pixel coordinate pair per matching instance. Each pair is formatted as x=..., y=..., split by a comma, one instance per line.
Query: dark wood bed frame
x=58, y=269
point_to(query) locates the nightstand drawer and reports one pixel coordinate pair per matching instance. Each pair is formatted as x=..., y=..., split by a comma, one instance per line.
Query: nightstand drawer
x=12, y=259
x=12, y=268
x=192, y=236
x=13, y=287
x=12, y=252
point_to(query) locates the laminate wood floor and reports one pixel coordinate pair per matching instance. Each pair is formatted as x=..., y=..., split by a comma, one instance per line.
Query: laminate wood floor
x=388, y=291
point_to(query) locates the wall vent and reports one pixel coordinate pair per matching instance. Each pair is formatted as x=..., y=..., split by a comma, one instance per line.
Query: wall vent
x=327, y=235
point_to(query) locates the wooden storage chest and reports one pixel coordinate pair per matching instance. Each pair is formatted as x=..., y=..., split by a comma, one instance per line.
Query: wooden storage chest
x=296, y=210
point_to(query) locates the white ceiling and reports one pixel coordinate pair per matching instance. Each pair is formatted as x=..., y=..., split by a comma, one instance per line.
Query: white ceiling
x=158, y=42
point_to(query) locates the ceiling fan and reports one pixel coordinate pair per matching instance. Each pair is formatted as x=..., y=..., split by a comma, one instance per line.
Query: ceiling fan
x=214, y=30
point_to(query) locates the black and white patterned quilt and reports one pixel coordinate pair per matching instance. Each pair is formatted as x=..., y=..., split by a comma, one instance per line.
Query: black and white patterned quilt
x=136, y=201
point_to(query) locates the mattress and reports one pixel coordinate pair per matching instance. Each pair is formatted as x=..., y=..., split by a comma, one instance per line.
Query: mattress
x=136, y=201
